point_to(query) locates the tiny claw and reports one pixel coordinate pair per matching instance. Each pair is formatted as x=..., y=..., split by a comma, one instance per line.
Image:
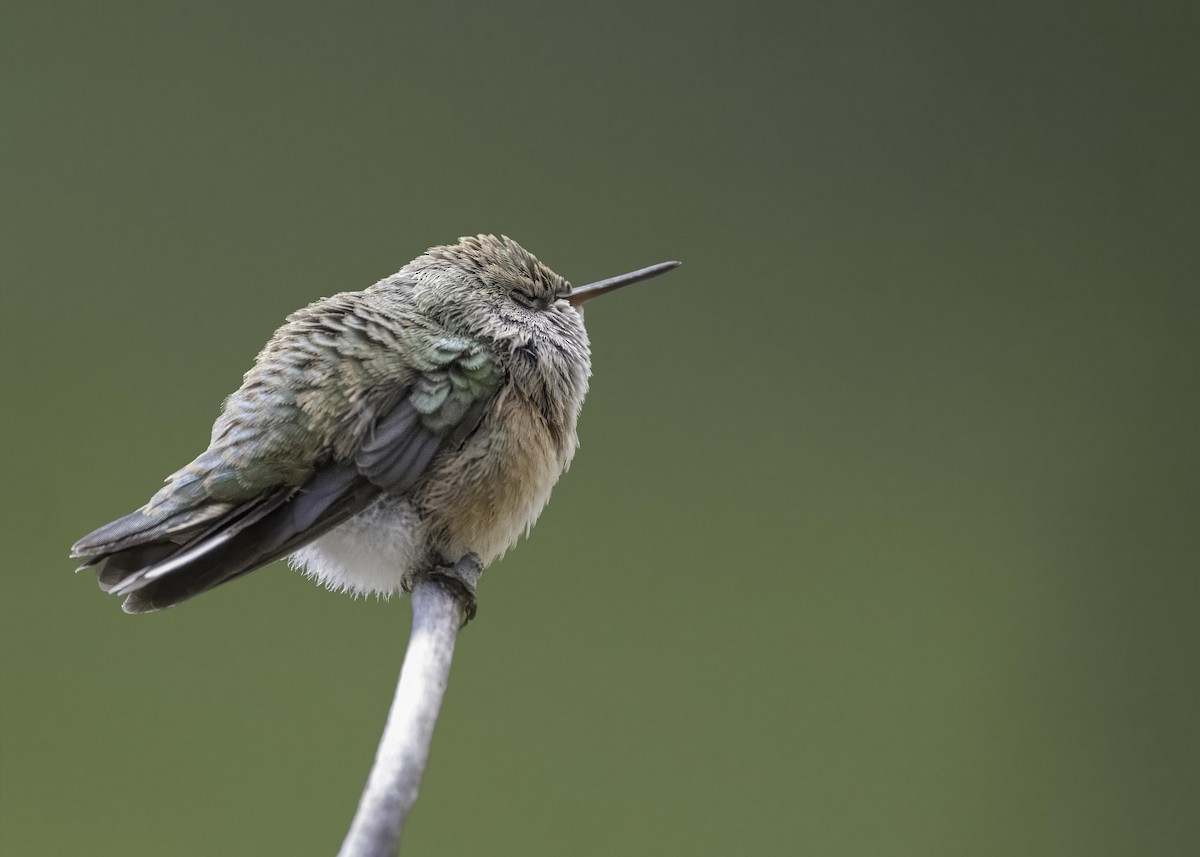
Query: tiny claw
x=460, y=581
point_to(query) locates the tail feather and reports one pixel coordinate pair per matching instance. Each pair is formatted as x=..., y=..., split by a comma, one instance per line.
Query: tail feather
x=138, y=528
x=161, y=564
x=113, y=569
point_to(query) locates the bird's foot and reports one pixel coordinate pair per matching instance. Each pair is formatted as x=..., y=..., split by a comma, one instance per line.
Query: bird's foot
x=459, y=580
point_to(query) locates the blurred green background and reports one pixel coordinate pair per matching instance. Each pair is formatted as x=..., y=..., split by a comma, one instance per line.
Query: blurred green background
x=882, y=538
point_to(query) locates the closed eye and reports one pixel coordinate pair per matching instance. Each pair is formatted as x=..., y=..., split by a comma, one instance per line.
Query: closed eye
x=525, y=299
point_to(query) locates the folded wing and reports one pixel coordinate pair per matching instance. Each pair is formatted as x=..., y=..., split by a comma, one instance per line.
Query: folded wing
x=213, y=523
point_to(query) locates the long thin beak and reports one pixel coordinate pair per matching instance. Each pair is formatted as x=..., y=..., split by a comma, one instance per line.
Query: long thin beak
x=582, y=294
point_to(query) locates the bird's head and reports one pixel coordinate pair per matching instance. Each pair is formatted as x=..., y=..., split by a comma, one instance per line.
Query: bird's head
x=492, y=287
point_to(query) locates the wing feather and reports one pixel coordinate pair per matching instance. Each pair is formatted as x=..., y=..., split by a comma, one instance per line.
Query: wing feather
x=188, y=541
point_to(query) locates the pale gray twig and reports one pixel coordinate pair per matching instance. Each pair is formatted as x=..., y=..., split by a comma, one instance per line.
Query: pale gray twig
x=442, y=601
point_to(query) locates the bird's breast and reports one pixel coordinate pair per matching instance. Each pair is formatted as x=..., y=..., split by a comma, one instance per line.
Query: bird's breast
x=482, y=497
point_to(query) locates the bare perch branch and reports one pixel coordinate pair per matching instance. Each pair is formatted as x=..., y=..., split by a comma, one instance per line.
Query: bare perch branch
x=442, y=601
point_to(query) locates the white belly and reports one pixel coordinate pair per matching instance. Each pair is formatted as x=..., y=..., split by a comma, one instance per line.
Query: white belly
x=369, y=554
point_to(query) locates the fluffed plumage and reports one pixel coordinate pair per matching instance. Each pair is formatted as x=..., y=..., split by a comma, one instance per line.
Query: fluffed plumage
x=423, y=418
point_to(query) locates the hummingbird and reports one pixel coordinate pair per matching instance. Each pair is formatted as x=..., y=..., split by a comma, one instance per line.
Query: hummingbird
x=380, y=433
